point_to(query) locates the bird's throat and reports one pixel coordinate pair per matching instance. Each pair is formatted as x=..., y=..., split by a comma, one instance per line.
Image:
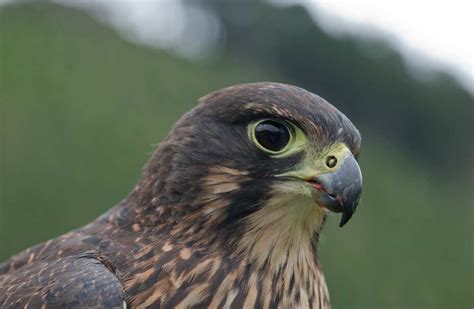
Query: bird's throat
x=284, y=231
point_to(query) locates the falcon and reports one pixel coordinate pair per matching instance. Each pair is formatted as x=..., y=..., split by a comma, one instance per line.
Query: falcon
x=227, y=214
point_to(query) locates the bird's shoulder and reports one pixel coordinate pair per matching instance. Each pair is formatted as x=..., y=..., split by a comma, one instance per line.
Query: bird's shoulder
x=70, y=271
x=82, y=280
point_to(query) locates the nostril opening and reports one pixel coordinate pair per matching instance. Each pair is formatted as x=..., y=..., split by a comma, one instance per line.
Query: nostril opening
x=331, y=161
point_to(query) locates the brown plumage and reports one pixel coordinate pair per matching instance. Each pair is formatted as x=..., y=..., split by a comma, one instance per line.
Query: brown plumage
x=215, y=220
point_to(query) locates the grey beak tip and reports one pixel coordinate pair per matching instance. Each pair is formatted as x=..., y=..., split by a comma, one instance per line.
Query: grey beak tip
x=344, y=219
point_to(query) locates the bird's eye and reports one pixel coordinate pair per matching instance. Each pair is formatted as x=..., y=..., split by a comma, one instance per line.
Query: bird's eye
x=272, y=136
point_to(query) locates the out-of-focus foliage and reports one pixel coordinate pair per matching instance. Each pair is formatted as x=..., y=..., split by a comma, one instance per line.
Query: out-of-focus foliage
x=80, y=109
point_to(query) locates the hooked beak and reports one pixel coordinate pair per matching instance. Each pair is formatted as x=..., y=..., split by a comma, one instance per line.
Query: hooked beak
x=339, y=191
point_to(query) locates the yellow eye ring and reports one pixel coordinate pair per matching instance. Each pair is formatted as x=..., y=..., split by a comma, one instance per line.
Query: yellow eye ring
x=272, y=136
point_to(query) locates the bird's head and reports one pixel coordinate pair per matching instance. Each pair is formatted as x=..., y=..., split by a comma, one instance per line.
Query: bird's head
x=256, y=159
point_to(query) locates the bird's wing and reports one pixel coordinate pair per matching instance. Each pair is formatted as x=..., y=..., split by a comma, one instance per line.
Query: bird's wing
x=75, y=281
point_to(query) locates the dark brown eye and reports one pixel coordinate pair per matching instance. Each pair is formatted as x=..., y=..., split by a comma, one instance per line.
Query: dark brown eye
x=272, y=135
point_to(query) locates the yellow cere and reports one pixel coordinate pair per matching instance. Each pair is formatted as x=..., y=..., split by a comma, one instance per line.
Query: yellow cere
x=315, y=163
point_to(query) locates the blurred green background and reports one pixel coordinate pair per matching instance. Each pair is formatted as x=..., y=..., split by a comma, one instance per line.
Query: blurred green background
x=82, y=109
